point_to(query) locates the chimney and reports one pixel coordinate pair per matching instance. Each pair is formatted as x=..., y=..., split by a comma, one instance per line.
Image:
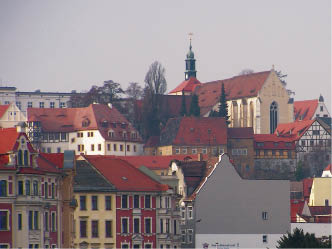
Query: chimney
x=200, y=157
x=110, y=105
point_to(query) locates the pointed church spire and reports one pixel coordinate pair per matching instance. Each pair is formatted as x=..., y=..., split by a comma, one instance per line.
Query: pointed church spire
x=190, y=62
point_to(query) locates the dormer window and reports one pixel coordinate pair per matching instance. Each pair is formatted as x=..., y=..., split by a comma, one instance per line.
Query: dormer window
x=111, y=134
x=104, y=123
x=124, y=135
x=85, y=122
x=123, y=125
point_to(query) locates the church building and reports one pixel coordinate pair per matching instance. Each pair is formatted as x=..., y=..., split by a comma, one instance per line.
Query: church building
x=257, y=100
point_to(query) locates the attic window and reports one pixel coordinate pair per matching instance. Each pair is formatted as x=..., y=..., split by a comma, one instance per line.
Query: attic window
x=252, y=90
x=123, y=125
x=260, y=144
x=124, y=178
x=114, y=125
x=104, y=123
x=214, y=91
x=192, y=129
x=239, y=92
x=85, y=122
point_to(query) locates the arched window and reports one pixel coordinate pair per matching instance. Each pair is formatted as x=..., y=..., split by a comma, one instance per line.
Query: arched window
x=235, y=114
x=273, y=116
x=251, y=122
x=26, y=157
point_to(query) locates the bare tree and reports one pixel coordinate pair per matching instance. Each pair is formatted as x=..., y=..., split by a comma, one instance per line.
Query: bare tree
x=134, y=91
x=246, y=71
x=155, y=81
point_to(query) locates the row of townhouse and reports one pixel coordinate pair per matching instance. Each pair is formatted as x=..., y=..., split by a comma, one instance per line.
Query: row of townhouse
x=33, y=209
x=122, y=207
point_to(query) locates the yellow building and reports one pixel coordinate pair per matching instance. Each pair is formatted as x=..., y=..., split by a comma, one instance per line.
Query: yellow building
x=321, y=192
x=95, y=216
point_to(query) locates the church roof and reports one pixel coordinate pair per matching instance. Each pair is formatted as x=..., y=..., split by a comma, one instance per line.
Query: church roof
x=305, y=109
x=187, y=85
x=236, y=87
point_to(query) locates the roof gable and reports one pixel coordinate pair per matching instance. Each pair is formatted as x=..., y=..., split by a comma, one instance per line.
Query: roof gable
x=305, y=110
x=236, y=87
x=187, y=86
x=9, y=137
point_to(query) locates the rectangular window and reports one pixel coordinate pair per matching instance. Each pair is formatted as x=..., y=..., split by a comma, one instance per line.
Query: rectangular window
x=136, y=225
x=53, y=221
x=167, y=226
x=124, y=225
x=147, y=201
x=53, y=190
x=20, y=187
x=121, y=147
x=190, y=212
x=183, y=213
x=114, y=147
x=46, y=219
x=161, y=225
x=148, y=225
x=134, y=148
x=128, y=147
x=124, y=201
x=124, y=246
x=94, y=229
x=29, y=104
x=62, y=104
x=174, y=227
x=27, y=187
x=82, y=202
x=99, y=147
x=3, y=188
x=190, y=235
x=264, y=216
x=177, y=150
x=19, y=221
x=204, y=150
x=109, y=147
x=108, y=228
x=108, y=202
x=147, y=246
x=4, y=220
x=183, y=236
x=36, y=220
x=289, y=154
x=41, y=104
x=83, y=228
x=264, y=238
x=321, y=108
x=136, y=201
x=184, y=150
x=46, y=190
x=52, y=104
x=194, y=151
x=30, y=220
x=92, y=147
x=303, y=142
x=326, y=202
x=94, y=202
x=315, y=132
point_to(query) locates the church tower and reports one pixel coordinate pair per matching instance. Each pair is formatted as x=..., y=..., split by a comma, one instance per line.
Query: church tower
x=190, y=64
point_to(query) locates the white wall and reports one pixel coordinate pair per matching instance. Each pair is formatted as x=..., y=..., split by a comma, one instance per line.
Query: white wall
x=237, y=240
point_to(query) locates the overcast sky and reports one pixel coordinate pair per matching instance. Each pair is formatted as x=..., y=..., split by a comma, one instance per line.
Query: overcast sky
x=65, y=45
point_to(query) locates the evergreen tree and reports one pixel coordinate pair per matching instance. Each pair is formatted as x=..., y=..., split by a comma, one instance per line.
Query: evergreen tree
x=298, y=239
x=223, y=107
x=299, y=174
x=183, y=111
x=195, y=110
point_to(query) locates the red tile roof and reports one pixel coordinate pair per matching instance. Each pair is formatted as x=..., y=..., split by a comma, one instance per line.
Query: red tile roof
x=305, y=109
x=3, y=109
x=187, y=85
x=328, y=168
x=194, y=131
x=307, y=184
x=157, y=162
x=296, y=208
x=236, y=87
x=123, y=175
x=8, y=139
x=272, y=141
x=94, y=117
x=55, y=158
x=295, y=128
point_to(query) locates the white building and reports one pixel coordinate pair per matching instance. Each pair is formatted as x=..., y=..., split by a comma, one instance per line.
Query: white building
x=36, y=99
x=232, y=212
x=11, y=116
x=94, y=130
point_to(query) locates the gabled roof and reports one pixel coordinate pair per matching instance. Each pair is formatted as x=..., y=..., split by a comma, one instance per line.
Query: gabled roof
x=236, y=87
x=157, y=162
x=94, y=117
x=8, y=138
x=187, y=85
x=194, y=131
x=88, y=179
x=3, y=109
x=296, y=208
x=295, y=128
x=305, y=109
x=272, y=141
x=55, y=158
x=307, y=184
x=123, y=175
